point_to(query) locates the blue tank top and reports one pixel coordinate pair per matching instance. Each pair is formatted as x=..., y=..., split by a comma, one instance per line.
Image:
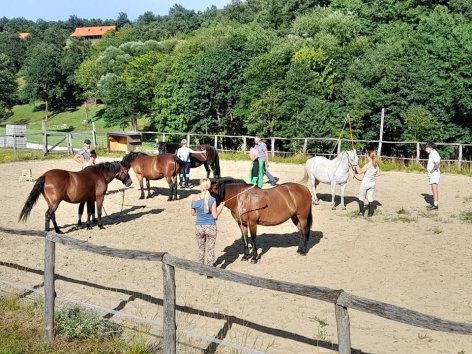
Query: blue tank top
x=202, y=217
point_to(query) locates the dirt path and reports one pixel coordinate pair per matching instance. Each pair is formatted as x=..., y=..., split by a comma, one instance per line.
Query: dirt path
x=412, y=259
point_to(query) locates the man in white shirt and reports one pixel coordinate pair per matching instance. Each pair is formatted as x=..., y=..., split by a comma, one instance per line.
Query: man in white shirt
x=183, y=153
x=434, y=173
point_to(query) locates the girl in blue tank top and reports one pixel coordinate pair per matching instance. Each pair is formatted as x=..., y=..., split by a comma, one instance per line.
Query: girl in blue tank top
x=204, y=207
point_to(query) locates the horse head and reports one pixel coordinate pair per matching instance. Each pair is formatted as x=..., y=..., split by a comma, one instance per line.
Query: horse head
x=218, y=187
x=123, y=175
x=352, y=159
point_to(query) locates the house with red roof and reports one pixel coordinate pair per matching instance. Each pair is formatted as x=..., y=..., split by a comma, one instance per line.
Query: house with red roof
x=92, y=33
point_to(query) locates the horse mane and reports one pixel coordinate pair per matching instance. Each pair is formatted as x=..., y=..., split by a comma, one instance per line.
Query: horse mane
x=130, y=157
x=107, y=166
x=221, y=184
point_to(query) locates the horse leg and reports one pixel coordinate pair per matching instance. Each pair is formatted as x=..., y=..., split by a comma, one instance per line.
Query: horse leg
x=333, y=194
x=207, y=168
x=343, y=187
x=253, y=230
x=314, y=184
x=81, y=211
x=90, y=212
x=304, y=231
x=296, y=222
x=52, y=216
x=99, y=211
x=148, y=188
x=140, y=180
x=244, y=236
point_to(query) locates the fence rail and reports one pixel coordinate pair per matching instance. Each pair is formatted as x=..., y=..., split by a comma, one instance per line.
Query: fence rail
x=410, y=150
x=341, y=300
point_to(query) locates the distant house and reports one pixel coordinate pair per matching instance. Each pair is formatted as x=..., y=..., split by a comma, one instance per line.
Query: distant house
x=92, y=33
x=24, y=35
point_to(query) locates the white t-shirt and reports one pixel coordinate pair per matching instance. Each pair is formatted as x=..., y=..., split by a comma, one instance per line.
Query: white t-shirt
x=184, y=153
x=433, y=158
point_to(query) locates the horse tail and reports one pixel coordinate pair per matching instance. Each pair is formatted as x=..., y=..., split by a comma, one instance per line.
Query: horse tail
x=217, y=165
x=305, y=178
x=32, y=199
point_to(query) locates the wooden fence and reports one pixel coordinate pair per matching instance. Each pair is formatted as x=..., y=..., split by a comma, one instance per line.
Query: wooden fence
x=342, y=301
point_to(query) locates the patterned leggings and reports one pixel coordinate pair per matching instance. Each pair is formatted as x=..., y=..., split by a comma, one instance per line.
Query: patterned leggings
x=206, y=238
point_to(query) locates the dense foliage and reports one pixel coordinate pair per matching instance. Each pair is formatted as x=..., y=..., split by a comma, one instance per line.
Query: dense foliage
x=288, y=68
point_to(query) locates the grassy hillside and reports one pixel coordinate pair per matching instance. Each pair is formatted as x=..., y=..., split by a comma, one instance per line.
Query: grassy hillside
x=70, y=121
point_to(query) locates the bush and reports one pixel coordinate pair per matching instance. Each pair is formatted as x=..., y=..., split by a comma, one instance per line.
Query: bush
x=76, y=323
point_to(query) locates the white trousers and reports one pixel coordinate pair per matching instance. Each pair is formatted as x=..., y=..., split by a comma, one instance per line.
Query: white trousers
x=367, y=190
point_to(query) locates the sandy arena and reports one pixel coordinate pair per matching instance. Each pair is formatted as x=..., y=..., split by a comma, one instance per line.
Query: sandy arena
x=415, y=259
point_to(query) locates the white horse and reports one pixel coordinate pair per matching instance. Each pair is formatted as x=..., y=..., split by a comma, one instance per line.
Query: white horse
x=336, y=171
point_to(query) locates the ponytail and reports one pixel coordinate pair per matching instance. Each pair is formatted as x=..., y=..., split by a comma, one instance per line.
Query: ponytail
x=373, y=155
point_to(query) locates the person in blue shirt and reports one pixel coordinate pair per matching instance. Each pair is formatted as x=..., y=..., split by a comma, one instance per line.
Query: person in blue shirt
x=203, y=206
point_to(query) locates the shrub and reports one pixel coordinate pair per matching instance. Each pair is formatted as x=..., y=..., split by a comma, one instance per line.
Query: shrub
x=76, y=323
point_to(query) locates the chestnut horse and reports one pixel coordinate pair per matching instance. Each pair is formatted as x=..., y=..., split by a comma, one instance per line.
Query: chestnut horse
x=88, y=185
x=208, y=160
x=251, y=206
x=153, y=168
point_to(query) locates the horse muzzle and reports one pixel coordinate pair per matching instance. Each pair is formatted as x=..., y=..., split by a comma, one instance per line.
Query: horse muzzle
x=128, y=182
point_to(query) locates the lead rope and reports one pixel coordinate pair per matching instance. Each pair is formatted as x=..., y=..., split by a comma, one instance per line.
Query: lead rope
x=121, y=211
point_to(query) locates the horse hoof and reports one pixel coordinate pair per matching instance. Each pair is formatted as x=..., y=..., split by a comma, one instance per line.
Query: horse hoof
x=89, y=227
x=243, y=258
x=79, y=224
x=343, y=208
x=333, y=208
x=253, y=261
x=303, y=253
x=101, y=227
x=141, y=197
x=149, y=196
x=58, y=231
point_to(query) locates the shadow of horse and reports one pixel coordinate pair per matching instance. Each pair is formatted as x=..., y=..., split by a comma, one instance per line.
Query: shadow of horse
x=182, y=193
x=265, y=242
x=119, y=217
x=337, y=199
x=428, y=198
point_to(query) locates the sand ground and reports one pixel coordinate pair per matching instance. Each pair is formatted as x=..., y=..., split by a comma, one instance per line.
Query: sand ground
x=415, y=259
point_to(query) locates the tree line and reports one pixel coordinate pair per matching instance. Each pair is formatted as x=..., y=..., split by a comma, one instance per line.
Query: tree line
x=288, y=68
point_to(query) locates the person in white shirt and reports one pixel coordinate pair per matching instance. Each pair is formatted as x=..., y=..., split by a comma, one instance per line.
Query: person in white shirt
x=183, y=153
x=367, y=187
x=434, y=174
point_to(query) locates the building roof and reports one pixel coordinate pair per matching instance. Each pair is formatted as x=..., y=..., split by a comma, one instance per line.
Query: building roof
x=24, y=35
x=92, y=31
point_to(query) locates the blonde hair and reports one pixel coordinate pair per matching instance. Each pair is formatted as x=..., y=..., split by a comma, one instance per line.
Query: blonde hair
x=205, y=185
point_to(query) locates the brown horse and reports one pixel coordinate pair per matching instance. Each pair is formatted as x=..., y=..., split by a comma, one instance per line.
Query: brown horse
x=88, y=185
x=153, y=168
x=251, y=206
x=208, y=160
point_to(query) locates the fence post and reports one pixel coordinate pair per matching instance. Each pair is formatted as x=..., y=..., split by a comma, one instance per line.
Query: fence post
x=49, y=289
x=272, y=146
x=343, y=327
x=163, y=137
x=70, y=150
x=382, y=117
x=169, y=327
x=216, y=141
x=460, y=154
x=417, y=152
x=244, y=143
x=339, y=146
x=94, y=135
x=188, y=139
x=45, y=137
x=305, y=142
x=14, y=143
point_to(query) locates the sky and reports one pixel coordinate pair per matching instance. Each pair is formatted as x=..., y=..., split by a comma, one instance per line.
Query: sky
x=55, y=10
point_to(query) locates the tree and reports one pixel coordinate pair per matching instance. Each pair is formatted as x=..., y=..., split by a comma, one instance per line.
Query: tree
x=8, y=85
x=43, y=74
x=122, y=20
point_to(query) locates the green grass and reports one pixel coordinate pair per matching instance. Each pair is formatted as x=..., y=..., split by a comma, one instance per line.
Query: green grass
x=22, y=329
x=466, y=216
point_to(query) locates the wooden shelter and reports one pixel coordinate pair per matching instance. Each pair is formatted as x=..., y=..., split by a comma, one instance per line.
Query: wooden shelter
x=92, y=33
x=123, y=141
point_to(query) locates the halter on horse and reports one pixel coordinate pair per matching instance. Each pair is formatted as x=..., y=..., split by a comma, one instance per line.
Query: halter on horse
x=320, y=169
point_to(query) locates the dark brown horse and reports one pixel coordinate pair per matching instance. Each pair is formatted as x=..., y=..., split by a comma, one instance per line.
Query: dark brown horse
x=208, y=160
x=153, y=168
x=251, y=206
x=88, y=185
